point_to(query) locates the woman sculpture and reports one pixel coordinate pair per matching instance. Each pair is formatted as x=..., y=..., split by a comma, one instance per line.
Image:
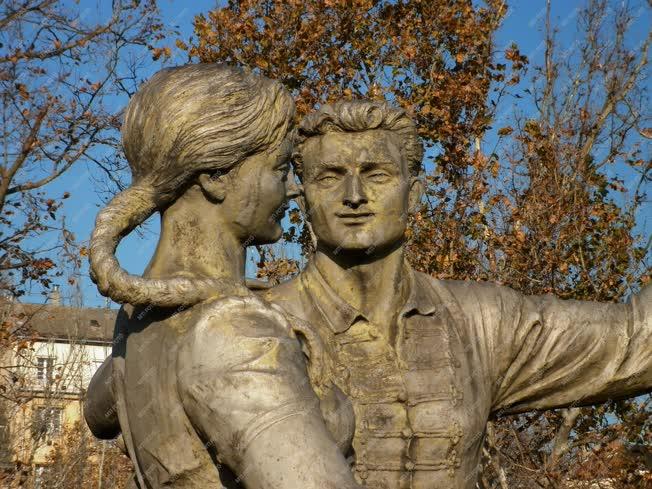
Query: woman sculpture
x=210, y=383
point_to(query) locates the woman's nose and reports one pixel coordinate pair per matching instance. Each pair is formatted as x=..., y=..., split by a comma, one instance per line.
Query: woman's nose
x=292, y=189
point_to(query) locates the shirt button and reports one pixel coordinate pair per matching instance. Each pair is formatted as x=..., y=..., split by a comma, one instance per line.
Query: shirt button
x=409, y=465
x=402, y=396
x=406, y=432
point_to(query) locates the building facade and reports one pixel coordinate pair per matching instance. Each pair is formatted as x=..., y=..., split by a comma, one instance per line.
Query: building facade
x=48, y=355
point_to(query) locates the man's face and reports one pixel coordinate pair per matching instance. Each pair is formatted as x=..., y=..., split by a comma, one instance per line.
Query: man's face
x=357, y=190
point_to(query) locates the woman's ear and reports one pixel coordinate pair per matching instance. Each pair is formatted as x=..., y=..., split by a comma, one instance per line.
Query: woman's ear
x=417, y=190
x=214, y=185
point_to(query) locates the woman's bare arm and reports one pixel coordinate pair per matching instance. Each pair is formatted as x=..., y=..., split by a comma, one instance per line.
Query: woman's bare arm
x=99, y=405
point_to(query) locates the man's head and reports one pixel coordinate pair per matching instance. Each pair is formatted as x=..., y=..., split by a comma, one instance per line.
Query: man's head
x=359, y=163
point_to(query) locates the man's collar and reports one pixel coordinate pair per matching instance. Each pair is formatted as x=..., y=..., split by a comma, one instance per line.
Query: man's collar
x=421, y=298
x=340, y=315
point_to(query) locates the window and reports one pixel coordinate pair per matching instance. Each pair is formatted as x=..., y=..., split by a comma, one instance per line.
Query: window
x=47, y=421
x=96, y=366
x=44, y=369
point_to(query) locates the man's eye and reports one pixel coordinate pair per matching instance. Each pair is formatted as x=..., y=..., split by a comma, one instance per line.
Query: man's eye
x=378, y=177
x=285, y=169
x=327, y=179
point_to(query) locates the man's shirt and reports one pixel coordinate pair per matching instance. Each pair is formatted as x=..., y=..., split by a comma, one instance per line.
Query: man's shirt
x=463, y=352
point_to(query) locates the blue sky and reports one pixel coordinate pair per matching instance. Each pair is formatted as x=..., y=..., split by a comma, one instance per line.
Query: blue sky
x=522, y=25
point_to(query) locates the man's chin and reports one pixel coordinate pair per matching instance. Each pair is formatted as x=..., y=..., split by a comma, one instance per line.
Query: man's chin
x=359, y=247
x=353, y=247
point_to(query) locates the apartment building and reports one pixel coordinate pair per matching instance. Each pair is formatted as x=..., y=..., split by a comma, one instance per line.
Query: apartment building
x=44, y=372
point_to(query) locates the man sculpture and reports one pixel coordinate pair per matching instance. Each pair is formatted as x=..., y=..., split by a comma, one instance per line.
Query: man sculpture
x=426, y=362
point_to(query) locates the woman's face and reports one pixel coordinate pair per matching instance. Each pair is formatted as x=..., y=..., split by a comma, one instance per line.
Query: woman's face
x=258, y=194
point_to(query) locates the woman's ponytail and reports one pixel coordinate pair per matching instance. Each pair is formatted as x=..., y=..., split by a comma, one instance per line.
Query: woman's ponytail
x=127, y=210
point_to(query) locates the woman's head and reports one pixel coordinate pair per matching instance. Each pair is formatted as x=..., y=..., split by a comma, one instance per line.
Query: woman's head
x=201, y=118
x=252, y=198
x=195, y=124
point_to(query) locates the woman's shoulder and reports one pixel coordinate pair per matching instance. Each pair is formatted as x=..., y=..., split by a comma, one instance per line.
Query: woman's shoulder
x=249, y=333
x=239, y=308
x=235, y=334
x=235, y=318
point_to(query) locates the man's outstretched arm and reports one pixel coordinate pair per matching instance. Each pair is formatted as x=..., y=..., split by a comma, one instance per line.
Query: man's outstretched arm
x=540, y=352
x=573, y=352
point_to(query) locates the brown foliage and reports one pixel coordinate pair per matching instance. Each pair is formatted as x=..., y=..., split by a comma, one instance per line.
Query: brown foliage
x=76, y=460
x=56, y=72
x=79, y=460
x=431, y=57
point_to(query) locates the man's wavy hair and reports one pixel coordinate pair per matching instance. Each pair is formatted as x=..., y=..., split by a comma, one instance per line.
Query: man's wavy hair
x=358, y=116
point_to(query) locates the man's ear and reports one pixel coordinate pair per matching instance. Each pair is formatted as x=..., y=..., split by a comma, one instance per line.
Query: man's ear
x=300, y=199
x=417, y=190
x=294, y=188
x=213, y=185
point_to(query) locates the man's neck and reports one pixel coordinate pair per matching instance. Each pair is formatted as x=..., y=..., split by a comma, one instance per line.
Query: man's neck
x=373, y=285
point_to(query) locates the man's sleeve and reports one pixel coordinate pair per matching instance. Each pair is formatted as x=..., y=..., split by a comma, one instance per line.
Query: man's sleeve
x=577, y=353
x=542, y=352
x=244, y=385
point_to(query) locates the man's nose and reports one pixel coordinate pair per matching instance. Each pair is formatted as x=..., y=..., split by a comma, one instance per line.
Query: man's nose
x=354, y=194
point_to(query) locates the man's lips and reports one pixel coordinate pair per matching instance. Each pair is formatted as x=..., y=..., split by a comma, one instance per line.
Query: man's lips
x=354, y=217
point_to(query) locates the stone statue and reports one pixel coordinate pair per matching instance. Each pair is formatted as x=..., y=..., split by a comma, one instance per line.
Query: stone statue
x=424, y=363
x=209, y=384
x=427, y=362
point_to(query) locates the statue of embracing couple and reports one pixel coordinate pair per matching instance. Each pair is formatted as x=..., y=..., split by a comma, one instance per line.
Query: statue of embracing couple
x=358, y=372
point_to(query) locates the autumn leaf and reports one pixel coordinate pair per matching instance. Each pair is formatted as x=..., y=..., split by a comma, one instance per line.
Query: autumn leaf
x=262, y=63
x=22, y=90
